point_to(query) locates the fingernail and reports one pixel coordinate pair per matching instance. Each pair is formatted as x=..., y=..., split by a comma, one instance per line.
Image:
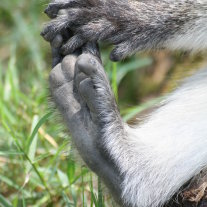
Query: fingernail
x=46, y=11
x=57, y=41
x=114, y=57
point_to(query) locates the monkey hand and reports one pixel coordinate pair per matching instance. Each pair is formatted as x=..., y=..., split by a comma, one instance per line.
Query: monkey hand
x=129, y=25
x=81, y=91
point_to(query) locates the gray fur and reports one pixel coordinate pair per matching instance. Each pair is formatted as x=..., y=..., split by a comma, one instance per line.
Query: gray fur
x=130, y=25
x=143, y=166
x=146, y=165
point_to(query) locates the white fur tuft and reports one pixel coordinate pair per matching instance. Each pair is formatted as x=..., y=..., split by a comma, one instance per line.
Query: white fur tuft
x=192, y=37
x=169, y=148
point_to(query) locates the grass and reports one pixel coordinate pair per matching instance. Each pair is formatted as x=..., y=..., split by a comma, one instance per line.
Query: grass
x=37, y=166
x=37, y=163
x=36, y=160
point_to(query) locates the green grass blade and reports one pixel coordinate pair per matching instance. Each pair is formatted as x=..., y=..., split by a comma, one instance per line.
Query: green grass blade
x=82, y=188
x=125, y=68
x=67, y=200
x=100, y=194
x=133, y=111
x=27, y=158
x=33, y=143
x=4, y=202
x=114, y=81
x=63, y=178
x=35, y=130
x=9, y=153
x=9, y=182
x=71, y=171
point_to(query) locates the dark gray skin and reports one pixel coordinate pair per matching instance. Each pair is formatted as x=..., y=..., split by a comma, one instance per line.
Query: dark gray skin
x=72, y=85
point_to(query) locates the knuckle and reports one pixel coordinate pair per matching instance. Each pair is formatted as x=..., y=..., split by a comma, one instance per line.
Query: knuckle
x=57, y=41
x=62, y=12
x=87, y=63
x=68, y=66
x=56, y=77
x=50, y=11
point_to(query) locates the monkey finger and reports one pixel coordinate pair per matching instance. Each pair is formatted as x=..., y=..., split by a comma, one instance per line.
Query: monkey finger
x=61, y=86
x=124, y=49
x=47, y=33
x=118, y=54
x=54, y=27
x=68, y=66
x=91, y=66
x=55, y=46
x=67, y=19
x=56, y=78
x=51, y=10
x=83, y=79
x=56, y=57
x=63, y=72
x=92, y=48
x=57, y=41
x=65, y=99
x=54, y=7
x=72, y=44
x=89, y=94
x=86, y=63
